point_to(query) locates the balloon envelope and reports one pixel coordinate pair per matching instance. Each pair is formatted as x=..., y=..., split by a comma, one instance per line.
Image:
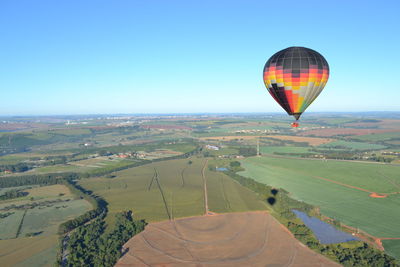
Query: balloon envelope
x=294, y=77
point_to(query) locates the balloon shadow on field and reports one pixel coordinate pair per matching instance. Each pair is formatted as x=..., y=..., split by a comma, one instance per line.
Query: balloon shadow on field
x=272, y=200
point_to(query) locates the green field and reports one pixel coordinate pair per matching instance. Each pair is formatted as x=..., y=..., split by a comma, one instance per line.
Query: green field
x=377, y=216
x=42, y=220
x=283, y=149
x=354, y=145
x=378, y=137
x=392, y=247
x=182, y=187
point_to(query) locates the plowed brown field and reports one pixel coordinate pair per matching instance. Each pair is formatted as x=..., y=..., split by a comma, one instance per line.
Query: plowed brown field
x=232, y=239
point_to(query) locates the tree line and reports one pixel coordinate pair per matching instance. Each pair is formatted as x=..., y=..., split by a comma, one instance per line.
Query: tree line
x=39, y=179
x=13, y=194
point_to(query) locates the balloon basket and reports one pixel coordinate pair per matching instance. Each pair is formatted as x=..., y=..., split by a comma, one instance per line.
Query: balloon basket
x=294, y=124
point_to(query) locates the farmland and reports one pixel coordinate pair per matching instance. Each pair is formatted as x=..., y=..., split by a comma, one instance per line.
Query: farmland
x=379, y=137
x=283, y=149
x=330, y=132
x=313, y=141
x=220, y=240
x=29, y=233
x=322, y=183
x=354, y=145
x=392, y=247
x=161, y=190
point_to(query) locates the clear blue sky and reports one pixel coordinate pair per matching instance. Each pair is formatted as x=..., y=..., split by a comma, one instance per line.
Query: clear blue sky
x=126, y=56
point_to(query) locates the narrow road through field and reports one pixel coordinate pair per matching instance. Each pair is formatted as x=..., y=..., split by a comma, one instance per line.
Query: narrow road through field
x=206, y=211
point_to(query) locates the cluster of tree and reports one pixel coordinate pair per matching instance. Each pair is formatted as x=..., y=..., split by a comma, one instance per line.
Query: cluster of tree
x=381, y=159
x=53, y=160
x=13, y=194
x=247, y=151
x=301, y=155
x=282, y=204
x=18, y=167
x=42, y=179
x=89, y=245
x=5, y=215
x=99, y=204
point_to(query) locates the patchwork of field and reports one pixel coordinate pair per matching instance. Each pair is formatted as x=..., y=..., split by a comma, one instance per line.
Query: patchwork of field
x=171, y=189
x=313, y=141
x=233, y=239
x=354, y=145
x=29, y=233
x=329, y=132
x=341, y=189
x=379, y=137
x=284, y=149
x=86, y=165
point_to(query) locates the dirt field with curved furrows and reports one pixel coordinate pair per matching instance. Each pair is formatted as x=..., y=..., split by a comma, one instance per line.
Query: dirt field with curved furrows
x=226, y=240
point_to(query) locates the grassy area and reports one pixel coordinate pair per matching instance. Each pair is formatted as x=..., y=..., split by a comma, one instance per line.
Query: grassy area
x=226, y=195
x=353, y=207
x=392, y=247
x=29, y=251
x=353, y=145
x=131, y=190
x=182, y=187
x=283, y=149
x=57, y=205
x=223, y=151
x=9, y=225
x=377, y=137
x=47, y=219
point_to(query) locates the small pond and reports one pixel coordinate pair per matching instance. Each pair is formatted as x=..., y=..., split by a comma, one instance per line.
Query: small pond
x=325, y=233
x=221, y=169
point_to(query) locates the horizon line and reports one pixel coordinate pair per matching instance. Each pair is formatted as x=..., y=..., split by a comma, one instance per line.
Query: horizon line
x=190, y=113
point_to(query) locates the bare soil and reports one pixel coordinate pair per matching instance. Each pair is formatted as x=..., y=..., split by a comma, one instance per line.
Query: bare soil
x=232, y=239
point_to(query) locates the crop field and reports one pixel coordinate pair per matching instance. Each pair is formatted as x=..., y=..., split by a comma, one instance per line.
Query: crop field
x=378, y=137
x=49, y=191
x=96, y=162
x=52, y=205
x=341, y=189
x=225, y=195
x=283, y=149
x=173, y=188
x=87, y=165
x=383, y=124
x=224, y=240
x=72, y=131
x=313, y=141
x=354, y=145
x=223, y=151
x=392, y=247
x=29, y=251
x=330, y=132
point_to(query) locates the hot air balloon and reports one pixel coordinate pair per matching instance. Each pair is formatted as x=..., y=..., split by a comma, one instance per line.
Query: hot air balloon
x=294, y=77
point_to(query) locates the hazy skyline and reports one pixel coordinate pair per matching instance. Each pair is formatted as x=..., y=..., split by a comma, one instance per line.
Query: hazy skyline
x=88, y=57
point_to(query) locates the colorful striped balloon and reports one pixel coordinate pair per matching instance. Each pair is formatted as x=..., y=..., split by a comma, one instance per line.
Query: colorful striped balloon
x=295, y=76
